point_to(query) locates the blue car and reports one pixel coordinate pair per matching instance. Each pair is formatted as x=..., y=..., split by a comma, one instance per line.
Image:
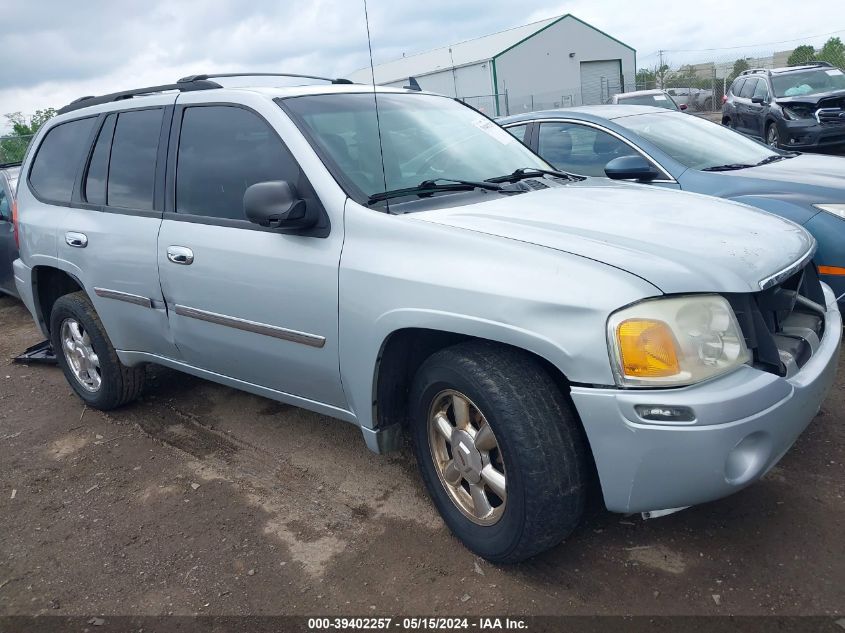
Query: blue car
x=679, y=151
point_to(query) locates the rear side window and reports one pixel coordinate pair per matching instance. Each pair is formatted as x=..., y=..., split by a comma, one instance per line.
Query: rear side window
x=5, y=205
x=748, y=88
x=131, y=175
x=222, y=151
x=98, y=169
x=737, y=86
x=58, y=159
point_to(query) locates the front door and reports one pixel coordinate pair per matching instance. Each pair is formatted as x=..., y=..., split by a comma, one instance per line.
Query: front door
x=245, y=302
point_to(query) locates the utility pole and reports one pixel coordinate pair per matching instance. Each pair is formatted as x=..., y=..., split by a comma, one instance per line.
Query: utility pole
x=660, y=68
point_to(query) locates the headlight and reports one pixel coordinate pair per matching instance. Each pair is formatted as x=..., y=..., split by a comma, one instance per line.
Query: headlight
x=797, y=114
x=675, y=341
x=835, y=209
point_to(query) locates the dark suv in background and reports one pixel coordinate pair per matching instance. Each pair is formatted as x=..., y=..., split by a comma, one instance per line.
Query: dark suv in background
x=8, y=242
x=800, y=107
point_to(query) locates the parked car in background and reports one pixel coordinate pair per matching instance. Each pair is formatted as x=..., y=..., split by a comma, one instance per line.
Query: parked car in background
x=799, y=108
x=424, y=270
x=8, y=241
x=699, y=99
x=656, y=98
x=676, y=151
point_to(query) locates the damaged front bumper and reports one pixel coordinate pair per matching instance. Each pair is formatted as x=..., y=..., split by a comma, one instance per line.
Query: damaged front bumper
x=744, y=423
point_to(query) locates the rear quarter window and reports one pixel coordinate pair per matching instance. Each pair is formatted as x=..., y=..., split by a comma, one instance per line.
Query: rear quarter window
x=58, y=159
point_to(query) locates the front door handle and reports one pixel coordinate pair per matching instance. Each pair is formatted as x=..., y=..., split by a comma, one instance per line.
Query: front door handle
x=77, y=240
x=180, y=255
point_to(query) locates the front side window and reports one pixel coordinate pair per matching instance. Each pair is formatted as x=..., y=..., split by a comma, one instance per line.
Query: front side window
x=424, y=137
x=580, y=149
x=761, y=91
x=518, y=132
x=695, y=142
x=222, y=151
x=808, y=82
x=133, y=159
x=58, y=159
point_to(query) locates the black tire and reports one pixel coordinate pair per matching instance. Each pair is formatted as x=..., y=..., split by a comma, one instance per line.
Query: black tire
x=119, y=384
x=772, y=136
x=539, y=436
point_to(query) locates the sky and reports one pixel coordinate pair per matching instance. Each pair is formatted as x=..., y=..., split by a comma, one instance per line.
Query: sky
x=54, y=51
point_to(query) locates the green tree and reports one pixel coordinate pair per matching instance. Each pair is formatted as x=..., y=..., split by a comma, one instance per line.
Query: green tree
x=13, y=146
x=646, y=79
x=740, y=66
x=801, y=55
x=833, y=52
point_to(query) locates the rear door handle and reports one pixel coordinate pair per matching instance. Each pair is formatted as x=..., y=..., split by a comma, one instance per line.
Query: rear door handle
x=180, y=255
x=77, y=240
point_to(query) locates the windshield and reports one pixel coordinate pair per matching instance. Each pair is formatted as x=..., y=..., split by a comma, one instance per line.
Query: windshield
x=808, y=82
x=697, y=143
x=424, y=137
x=656, y=100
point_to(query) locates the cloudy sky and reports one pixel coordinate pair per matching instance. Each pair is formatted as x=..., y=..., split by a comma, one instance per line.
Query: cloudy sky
x=54, y=50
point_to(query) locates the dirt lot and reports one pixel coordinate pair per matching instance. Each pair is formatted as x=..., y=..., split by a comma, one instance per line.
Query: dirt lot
x=200, y=499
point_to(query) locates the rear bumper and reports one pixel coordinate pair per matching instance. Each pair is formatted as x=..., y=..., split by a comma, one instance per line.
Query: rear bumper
x=745, y=422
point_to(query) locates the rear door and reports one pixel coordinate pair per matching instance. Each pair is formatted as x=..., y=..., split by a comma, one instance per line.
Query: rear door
x=743, y=105
x=248, y=303
x=108, y=234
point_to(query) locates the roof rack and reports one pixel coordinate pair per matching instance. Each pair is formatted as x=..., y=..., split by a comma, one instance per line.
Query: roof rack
x=191, y=78
x=182, y=86
x=755, y=71
x=11, y=164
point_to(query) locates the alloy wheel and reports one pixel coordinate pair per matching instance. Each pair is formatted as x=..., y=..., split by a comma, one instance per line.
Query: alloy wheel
x=467, y=457
x=81, y=358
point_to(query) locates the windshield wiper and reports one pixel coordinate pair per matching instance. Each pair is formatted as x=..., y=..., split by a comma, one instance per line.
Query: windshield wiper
x=729, y=167
x=428, y=187
x=774, y=158
x=532, y=172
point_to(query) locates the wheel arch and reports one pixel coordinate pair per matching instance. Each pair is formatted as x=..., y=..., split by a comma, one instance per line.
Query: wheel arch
x=404, y=350
x=48, y=284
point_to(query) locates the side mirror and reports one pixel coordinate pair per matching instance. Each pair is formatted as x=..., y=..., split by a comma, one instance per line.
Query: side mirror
x=683, y=106
x=758, y=100
x=276, y=205
x=631, y=168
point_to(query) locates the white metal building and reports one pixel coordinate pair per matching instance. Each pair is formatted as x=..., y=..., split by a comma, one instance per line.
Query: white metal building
x=551, y=63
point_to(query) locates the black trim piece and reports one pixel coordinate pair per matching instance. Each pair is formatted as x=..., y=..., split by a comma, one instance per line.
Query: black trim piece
x=322, y=230
x=185, y=86
x=194, y=78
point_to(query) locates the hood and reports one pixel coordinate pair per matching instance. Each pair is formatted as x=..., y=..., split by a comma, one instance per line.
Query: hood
x=679, y=242
x=832, y=99
x=800, y=173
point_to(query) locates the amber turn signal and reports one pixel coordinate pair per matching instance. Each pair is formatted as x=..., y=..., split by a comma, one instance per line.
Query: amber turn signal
x=647, y=348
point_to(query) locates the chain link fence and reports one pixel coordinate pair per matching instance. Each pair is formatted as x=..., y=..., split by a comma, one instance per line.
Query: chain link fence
x=13, y=148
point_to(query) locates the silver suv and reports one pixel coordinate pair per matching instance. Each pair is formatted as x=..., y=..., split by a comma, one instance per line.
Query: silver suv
x=396, y=260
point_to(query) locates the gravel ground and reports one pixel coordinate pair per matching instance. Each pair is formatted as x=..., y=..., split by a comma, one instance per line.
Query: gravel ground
x=203, y=500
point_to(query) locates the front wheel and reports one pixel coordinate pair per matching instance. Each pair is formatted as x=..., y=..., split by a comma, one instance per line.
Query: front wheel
x=87, y=357
x=773, y=136
x=499, y=449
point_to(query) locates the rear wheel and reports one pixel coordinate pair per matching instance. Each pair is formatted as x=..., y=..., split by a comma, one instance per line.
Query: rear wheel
x=773, y=136
x=87, y=357
x=499, y=448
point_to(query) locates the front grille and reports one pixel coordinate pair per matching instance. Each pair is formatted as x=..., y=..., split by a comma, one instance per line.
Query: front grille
x=830, y=115
x=784, y=324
